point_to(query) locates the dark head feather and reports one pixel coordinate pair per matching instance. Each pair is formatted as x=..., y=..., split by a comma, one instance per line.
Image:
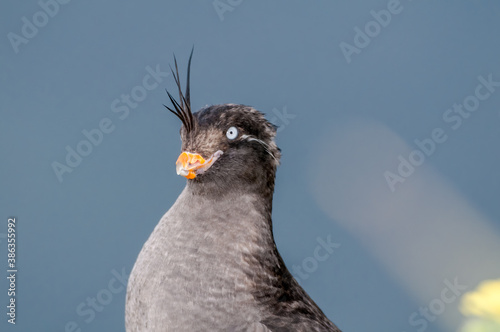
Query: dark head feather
x=183, y=109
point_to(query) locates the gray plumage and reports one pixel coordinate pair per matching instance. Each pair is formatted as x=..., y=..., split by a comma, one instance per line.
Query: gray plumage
x=211, y=263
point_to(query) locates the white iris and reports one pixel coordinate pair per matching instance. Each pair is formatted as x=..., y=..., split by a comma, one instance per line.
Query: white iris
x=232, y=133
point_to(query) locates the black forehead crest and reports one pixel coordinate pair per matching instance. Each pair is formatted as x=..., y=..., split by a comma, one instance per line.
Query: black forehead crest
x=226, y=115
x=182, y=109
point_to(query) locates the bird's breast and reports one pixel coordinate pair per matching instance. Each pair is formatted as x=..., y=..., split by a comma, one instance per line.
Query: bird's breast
x=197, y=266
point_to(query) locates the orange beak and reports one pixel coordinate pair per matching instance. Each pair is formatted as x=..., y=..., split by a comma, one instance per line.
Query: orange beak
x=191, y=164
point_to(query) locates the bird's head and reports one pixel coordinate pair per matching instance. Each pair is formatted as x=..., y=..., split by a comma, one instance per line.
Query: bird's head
x=223, y=145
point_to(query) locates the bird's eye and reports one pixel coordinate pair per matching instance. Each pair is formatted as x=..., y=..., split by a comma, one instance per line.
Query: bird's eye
x=232, y=133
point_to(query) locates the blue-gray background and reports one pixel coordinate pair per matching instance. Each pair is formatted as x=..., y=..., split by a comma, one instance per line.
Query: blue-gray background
x=282, y=57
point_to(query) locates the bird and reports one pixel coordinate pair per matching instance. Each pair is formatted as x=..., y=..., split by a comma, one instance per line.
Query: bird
x=211, y=263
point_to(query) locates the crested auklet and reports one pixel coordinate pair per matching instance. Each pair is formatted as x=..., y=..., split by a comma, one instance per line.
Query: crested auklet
x=211, y=263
